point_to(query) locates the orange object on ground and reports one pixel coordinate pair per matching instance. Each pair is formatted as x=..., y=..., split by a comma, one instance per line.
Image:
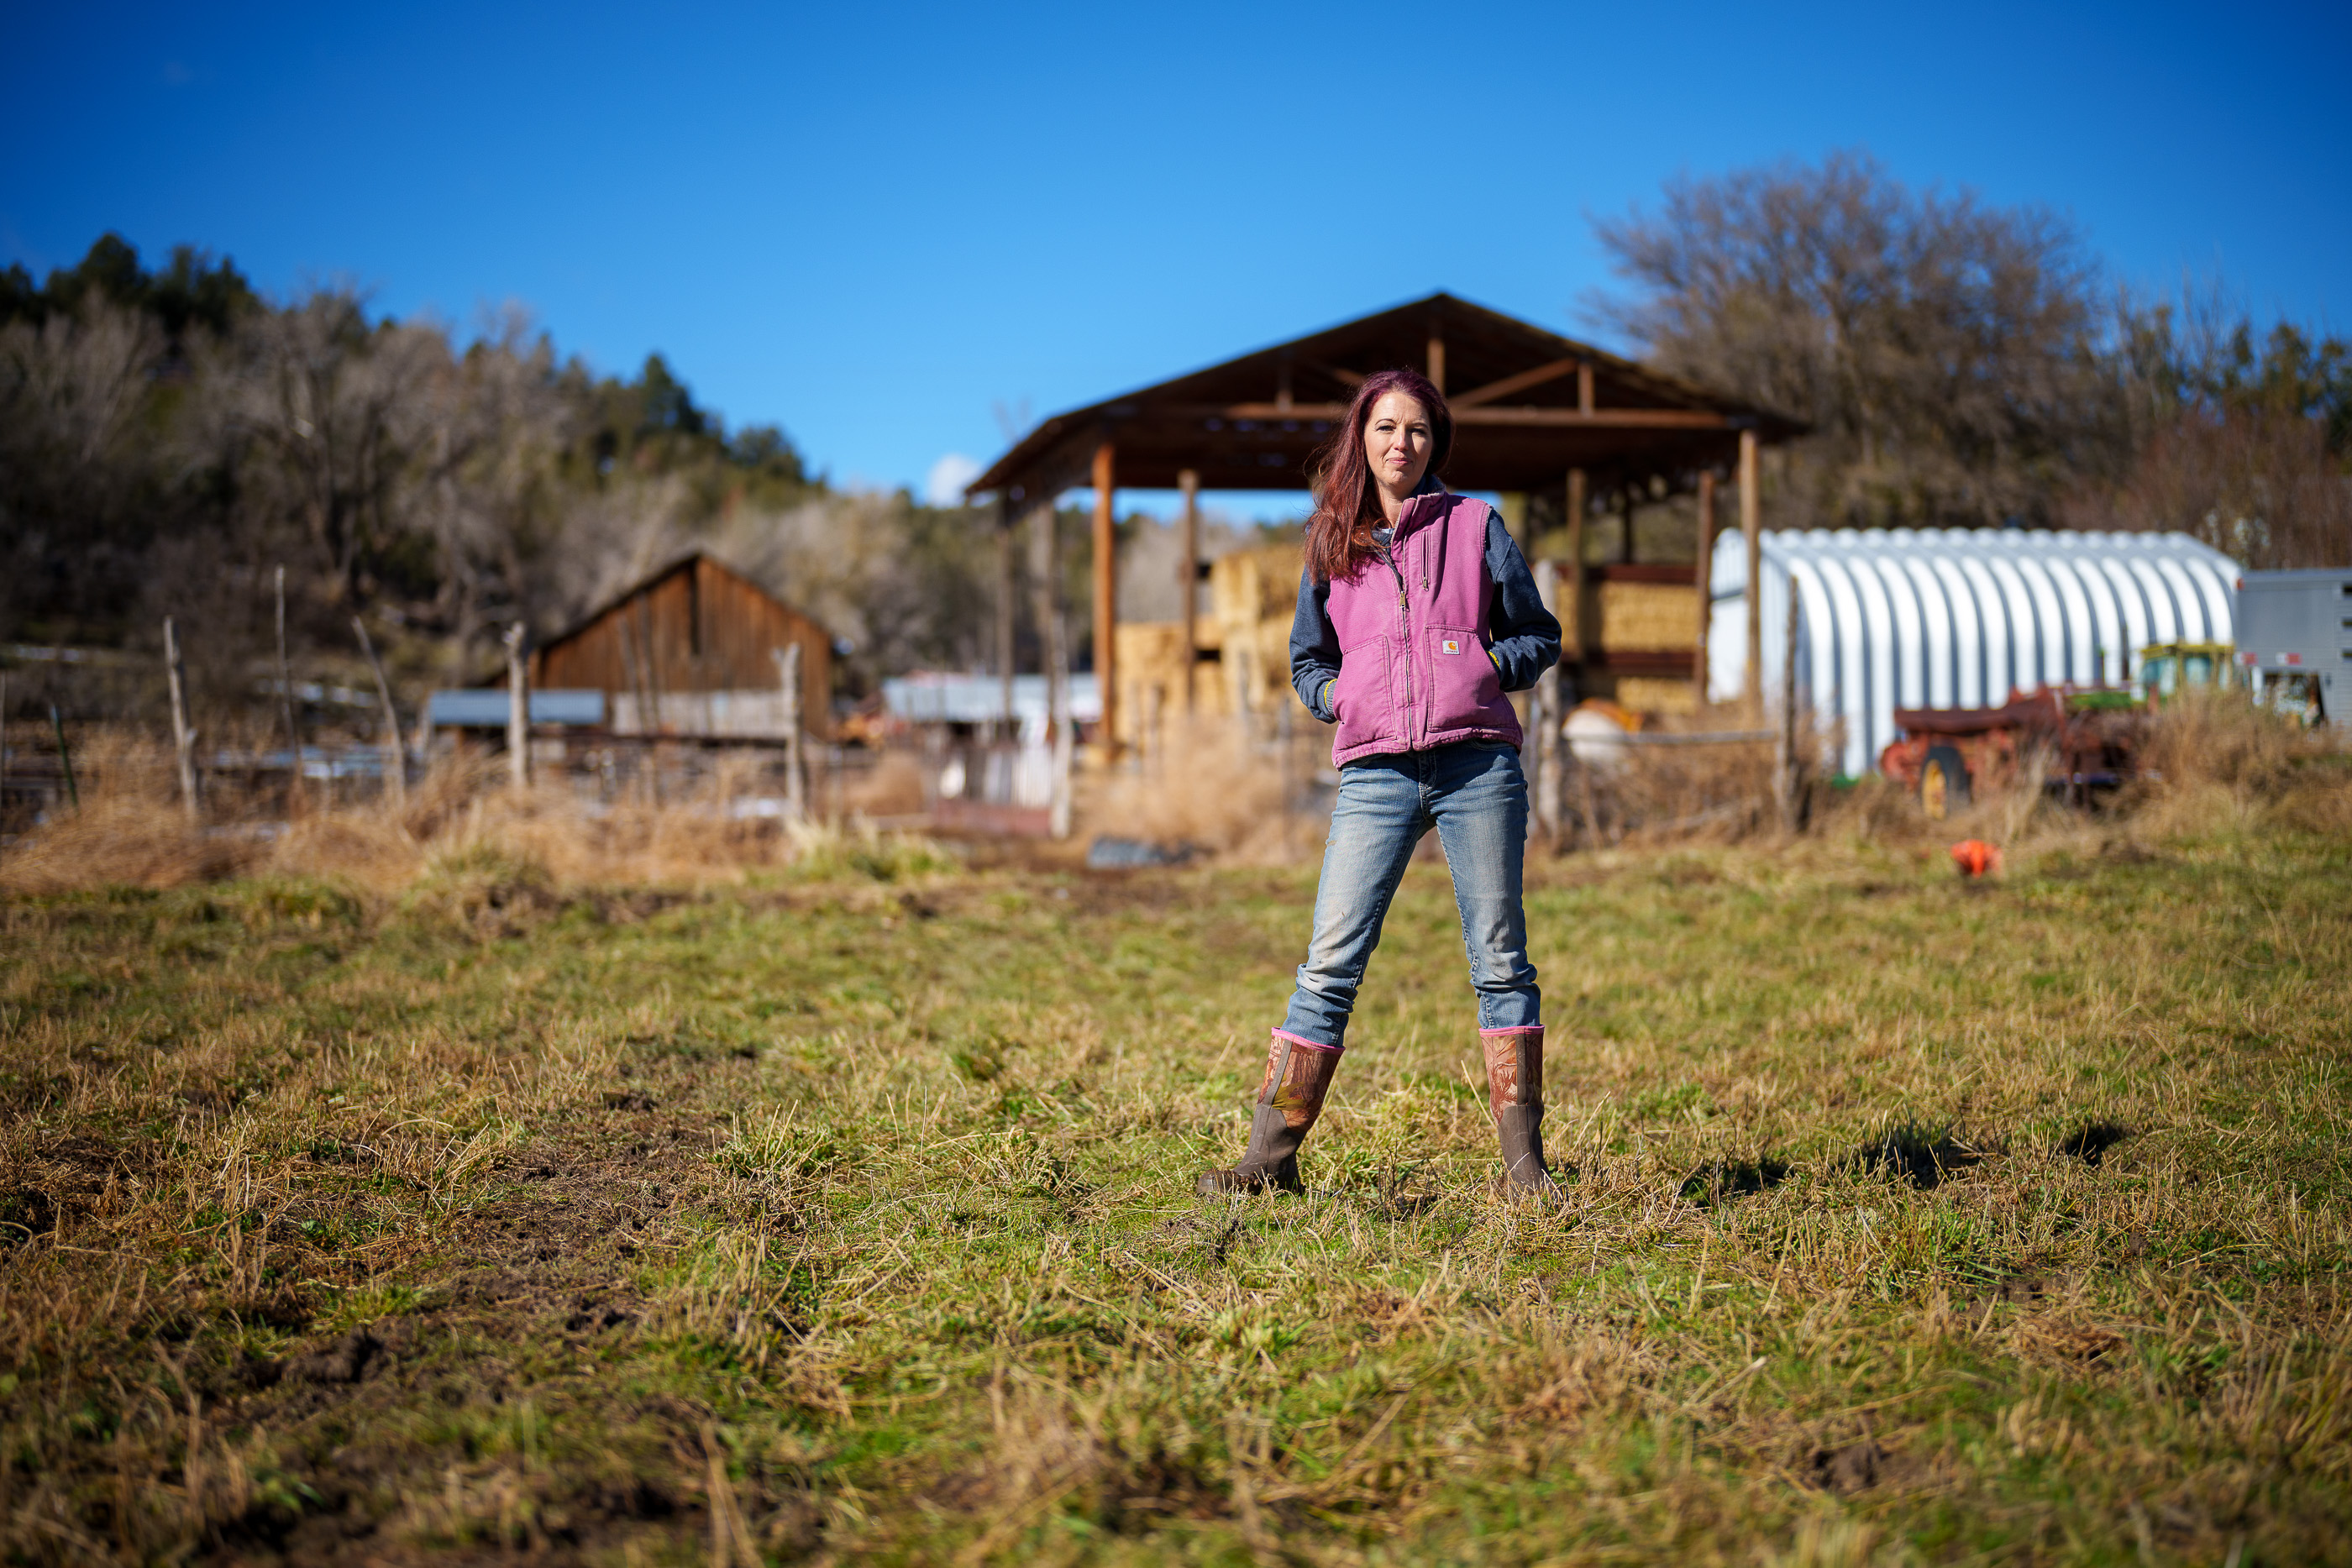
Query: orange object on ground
x=1975, y=857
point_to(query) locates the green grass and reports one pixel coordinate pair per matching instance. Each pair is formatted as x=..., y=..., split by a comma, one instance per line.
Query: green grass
x=855, y=1222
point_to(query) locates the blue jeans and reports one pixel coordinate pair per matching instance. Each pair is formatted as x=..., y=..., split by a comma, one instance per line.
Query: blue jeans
x=1475, y=795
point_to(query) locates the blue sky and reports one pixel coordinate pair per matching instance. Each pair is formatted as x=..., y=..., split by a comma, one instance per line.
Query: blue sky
x=877, y=225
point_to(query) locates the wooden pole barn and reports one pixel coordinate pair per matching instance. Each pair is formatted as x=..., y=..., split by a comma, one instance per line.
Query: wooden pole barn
x=1535, y=413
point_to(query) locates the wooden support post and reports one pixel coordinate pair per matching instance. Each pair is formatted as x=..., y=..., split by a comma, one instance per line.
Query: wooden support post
x=184, y=739
x=1287, y=749
x=1591, y=805
x=628, y=674
x=518, y=710
x=1585, y=388
x=1514, y=508
x=1436, y=355
x=1580, y=624
x=1107, y=597
x=1751, y=529
x=1054, y=636
x=655, y=724
x=65, y=756
x=1544, y=718
x=788, y=672
x=655, y=721
x=1625, y=524
x=1784, y=775
x=633, y=659
x=1188, y=574
x=286, y=703
x=395, y=763
x=1006, y=589
x=1531, y=750
x=641, y=685
x=1705, y=583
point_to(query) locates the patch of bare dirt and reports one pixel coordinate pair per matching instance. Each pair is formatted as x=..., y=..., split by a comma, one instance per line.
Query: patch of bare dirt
x=1847, y=1470
x=523, y=1293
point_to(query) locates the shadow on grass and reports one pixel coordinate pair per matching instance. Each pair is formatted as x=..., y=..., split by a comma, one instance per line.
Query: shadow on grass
x=1722, y=1180
x=1918, y=1152
x=2093, y=1140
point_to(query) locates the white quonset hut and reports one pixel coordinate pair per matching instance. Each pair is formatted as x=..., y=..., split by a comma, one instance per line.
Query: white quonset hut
x=1957, y=617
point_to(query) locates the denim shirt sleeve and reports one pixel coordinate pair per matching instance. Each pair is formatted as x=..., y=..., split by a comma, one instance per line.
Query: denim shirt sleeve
x=1523, y=634
x=1315, y=647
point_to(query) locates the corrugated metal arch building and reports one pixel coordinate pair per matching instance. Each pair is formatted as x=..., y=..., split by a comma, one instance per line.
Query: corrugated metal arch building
x=1893, y=618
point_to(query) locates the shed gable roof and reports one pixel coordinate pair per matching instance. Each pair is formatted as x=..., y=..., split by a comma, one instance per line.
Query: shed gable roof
x=684, y=562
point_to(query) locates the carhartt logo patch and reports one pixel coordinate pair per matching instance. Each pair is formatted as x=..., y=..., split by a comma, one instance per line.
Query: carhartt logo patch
x=1450, y=645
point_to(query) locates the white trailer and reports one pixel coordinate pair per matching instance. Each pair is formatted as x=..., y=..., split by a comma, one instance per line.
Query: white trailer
x=2294, y=636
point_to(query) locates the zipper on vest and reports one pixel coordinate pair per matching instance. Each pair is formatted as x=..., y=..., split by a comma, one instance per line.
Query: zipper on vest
x=1404, y=634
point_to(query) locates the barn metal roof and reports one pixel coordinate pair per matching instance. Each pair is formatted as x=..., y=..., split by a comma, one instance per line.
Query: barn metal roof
x=1528, y=404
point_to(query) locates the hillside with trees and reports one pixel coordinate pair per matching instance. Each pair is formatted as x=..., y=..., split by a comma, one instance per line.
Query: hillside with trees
x=169, y=437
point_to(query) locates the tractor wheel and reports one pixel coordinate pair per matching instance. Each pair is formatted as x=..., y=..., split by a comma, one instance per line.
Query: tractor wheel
x=1943, y=782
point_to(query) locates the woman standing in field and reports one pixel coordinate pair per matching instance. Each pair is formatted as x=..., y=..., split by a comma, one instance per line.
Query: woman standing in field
x=1416, y=612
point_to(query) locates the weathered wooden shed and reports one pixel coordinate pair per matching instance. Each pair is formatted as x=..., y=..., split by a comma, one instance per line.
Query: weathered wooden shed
x=692, y=650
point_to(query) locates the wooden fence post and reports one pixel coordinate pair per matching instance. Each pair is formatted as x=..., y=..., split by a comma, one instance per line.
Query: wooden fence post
x=518, y=710
x=1704, y=586
x=788, y=666
x=1784, y=775
x=184, y=739
x=1544, y=718
x=1591, y=804
x=286, y=703
x=1287, y=746
x=65, y=757
x=395, y=775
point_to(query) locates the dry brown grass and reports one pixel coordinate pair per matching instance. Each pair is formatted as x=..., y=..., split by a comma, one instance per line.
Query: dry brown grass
x=1216, y=789
x=130, y=831
x=893, y=787
x=1657, y=795
x=2213, y=760
x=2211, y=763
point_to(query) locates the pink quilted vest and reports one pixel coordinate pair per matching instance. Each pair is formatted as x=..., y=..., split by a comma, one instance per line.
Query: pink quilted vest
x=1413, y=670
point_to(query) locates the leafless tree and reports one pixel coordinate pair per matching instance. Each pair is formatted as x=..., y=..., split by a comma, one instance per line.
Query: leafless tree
x=2242, y=439
x=2259, y=487
x=1947, y=353
x=404, y=467
x=73, y=461
x=488, y=493
x=322, y=415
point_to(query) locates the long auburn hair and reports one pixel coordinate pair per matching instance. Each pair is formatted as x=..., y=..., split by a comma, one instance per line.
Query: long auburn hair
x=1347, y=505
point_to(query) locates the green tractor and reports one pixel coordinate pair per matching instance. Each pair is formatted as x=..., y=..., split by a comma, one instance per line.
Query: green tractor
x=2168, y=669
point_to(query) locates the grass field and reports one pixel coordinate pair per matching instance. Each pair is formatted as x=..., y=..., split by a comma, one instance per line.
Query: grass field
x=851, y=1219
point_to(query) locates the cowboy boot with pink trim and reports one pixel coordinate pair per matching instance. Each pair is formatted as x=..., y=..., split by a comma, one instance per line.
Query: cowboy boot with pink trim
x=1515, y=1096
x=1290, y=1097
